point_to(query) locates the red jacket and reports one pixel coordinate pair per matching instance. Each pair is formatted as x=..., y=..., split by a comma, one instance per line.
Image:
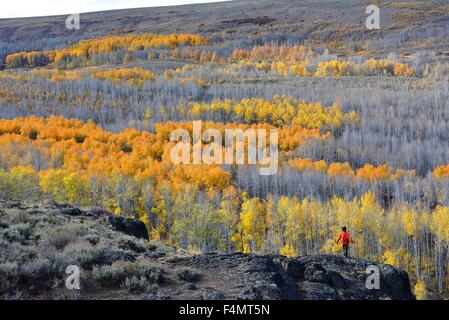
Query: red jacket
x=345, y=237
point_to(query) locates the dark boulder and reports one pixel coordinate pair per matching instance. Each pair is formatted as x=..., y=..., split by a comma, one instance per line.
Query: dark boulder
x=316, y=273
x=316, y=291
x=396, y=281
x=211, y=294
x=97, y=212
x=128, y=226
x=337, y=280
x=319, y=277
x=155, y=255
x=53, y=204
x=72, y=211
x=294, y=268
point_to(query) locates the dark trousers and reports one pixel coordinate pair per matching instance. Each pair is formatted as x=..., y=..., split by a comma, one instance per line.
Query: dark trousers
x=346, y=250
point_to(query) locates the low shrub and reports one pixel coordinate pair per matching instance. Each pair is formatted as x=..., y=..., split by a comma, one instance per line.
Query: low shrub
x=113, y=275
x=8, y=271
x=18, y=233
x=38, y=271
x=64, y=235
x=129, y=243
x=104, y=256
x=154, y=274
x=188, y=275
x=139, y=284
x=15, y=252
x=92, y=239
x=19, y=217
x=150, y=246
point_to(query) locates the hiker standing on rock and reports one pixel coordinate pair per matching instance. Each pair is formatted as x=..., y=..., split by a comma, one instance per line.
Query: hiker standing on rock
x=345, y=239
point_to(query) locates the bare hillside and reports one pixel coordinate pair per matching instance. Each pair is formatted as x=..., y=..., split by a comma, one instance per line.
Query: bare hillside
x=316, y=15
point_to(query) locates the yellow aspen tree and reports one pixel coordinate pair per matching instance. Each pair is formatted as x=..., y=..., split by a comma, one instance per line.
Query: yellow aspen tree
x=252, y=225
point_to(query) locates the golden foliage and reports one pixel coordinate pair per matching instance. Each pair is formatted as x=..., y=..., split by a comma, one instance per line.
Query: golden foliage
x=368, y=172
x=135, y=76
x=87, y=149
x=420, y=290
x=334, y=68
x=29, y=59
x=88, y=48
x=280, y=111
x=441, y=172
x=384, y=172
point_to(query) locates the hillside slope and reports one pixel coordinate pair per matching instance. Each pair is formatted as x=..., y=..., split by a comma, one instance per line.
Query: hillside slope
x=38, y=240
x=317, y=17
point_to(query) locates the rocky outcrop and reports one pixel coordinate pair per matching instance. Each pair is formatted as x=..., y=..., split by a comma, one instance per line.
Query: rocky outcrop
x=39, y=239
x=129, y=226
x=318, y=277
x=132, y=227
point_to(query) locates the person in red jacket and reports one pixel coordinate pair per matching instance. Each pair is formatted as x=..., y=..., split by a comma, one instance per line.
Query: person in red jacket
x=345, y=240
